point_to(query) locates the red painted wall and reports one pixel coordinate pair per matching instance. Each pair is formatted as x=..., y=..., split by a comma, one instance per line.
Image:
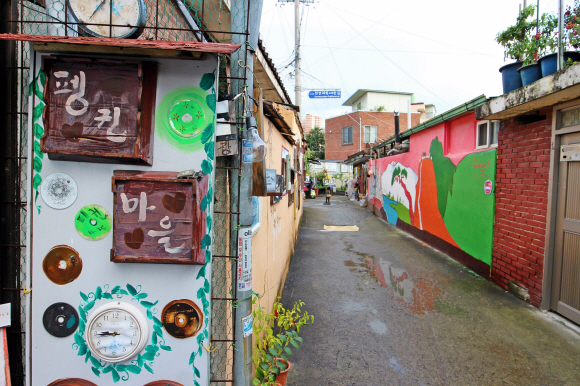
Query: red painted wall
x=522, y=204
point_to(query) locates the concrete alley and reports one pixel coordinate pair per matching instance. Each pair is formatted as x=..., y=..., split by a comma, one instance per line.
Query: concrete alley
x=390, y=310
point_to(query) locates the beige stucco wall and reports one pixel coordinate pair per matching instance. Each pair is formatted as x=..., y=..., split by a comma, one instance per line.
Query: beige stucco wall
x=273, y=244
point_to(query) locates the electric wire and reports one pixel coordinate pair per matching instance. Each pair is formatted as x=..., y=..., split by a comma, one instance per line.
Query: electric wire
x=392, y=62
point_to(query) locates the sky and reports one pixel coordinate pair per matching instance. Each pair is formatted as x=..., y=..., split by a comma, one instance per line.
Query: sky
x=444, y=52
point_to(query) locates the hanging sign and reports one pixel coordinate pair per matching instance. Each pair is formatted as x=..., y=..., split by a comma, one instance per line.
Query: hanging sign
x=98, y=110
x=245, y=259
x=323, y=94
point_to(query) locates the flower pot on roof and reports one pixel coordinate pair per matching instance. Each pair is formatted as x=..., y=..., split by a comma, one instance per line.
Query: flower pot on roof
x=516, y=41
x=546, y=41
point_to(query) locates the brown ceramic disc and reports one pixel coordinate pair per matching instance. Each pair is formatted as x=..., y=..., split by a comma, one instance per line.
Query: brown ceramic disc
x=182, y=318
x=62, y=264
x=163, y=383
x=72, y=381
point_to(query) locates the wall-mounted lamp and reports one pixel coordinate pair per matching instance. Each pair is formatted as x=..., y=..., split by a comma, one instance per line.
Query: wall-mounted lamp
x=258, y=146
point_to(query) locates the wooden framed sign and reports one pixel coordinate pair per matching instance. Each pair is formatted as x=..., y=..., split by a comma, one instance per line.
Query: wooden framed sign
x=156, y=218
x=98, y=110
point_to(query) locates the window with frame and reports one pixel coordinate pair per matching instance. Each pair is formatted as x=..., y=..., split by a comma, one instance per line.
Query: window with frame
x=370, y=134
x=486, y=134
x=347, y=135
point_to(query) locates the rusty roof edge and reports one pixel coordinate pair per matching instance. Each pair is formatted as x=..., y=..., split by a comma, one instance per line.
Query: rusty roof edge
x=223, y=48
x=278, y=120
x=262, y=48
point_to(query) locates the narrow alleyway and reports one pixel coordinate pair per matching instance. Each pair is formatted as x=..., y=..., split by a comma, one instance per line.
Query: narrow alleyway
x=390, y=310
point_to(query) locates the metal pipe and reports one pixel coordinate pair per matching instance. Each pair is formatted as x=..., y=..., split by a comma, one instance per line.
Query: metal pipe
x=397, y=131
x=560, y=28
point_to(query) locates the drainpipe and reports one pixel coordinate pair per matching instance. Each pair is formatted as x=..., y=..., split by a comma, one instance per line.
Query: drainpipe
x=397, y=132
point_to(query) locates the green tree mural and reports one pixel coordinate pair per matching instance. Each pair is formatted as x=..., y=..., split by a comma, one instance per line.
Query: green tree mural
x=444, y=172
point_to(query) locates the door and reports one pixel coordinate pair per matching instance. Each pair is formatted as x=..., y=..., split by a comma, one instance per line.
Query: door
x=566, y=280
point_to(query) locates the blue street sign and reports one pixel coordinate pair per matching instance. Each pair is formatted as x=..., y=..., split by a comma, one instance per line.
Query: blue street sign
x=323, y=94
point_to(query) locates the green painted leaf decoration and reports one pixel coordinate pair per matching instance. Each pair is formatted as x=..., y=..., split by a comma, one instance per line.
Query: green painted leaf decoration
x=107, y=295
x=42, y=78
x=206, y=286
x=206, y=166
x=157, y=321
x=149, y=356
x=141, y=296
x=82, y=350
x=210, y=149
x=37, y=165
x=203, y=204
x=38, y=109
x=38, y=131
x=148, y=368
x=116, y=376
x=154, y=338
x=108, y=369
x=116, y=289
x=207, y=81
x=98, y=293
x=96, y=371
x=79, y=339
x=140, y=360
x=158, y=330
x=166, y=348
x=123, y=292
x=131, y=290
x=37, y=151
x=205, y=241
x=201, y=272
x=133, y=369
x=208, y=222
x=148, y=305
x=210, y=100
x=149, y=314
x=87, y=356
x=207, y=134
x=95, y=362
x=196, y=383
x=208, y=256
x=81, y=326
x=89, y=306
x=191, y=358
x=36, y=182
x=84, y=297
x=120, y=368
x=196, y=372
x=71, y=321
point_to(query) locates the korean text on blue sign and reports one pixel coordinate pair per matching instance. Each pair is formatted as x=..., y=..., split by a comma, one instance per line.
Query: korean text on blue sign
x=323, y=94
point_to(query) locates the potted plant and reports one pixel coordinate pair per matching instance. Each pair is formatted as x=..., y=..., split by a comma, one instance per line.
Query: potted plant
x=515, y=40
x=572, y=33
x=538, y=44
x=275, y=336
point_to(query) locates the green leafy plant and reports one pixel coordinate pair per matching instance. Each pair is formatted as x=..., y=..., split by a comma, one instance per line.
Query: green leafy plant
x=517, y=38
x=275, y=335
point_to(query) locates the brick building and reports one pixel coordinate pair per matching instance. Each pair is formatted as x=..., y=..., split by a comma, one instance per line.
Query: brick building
x=350, y=133
x=536, y=250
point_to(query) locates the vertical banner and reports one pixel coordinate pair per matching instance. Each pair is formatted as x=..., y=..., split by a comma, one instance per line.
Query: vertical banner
x=245, y=259
x=4, y=366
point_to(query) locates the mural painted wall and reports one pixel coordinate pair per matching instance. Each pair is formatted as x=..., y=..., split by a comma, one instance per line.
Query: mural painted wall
x=73, y=223
x=447, y=195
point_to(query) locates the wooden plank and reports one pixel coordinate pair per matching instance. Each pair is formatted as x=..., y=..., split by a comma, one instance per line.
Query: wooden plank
x=220, y=48
x=259, y=168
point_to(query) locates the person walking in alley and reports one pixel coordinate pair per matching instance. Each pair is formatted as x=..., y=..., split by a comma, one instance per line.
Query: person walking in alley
x=328, y=195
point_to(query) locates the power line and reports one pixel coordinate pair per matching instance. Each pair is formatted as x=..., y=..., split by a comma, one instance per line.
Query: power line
x=401, y=30
x=333, y=59
x=402, y=51
x=392, y=62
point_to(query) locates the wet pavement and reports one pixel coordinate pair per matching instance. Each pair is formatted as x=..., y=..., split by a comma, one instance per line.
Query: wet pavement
x=389, y=310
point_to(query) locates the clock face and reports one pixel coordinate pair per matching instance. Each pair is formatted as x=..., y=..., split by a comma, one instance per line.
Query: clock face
x=95, y=16
x=117, y=331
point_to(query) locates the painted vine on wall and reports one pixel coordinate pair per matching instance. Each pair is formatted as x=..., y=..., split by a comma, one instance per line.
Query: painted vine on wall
x=203, y=294
x=36, y=88
x=120, y=372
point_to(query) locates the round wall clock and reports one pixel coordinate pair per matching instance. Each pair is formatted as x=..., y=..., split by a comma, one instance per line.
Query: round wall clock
x=117, y=331
x=94, y=17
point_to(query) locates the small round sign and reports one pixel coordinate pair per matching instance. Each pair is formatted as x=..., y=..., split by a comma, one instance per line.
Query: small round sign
x=93, y=222
x=60, y=320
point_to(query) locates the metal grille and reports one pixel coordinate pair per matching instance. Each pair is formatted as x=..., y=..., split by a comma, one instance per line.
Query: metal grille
x=224, y=21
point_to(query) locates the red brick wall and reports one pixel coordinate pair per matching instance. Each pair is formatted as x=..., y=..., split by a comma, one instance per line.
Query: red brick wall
x=523, y=161
x=385, y=122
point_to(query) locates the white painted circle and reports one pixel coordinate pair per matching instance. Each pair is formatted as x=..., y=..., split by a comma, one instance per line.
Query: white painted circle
x=59, y=190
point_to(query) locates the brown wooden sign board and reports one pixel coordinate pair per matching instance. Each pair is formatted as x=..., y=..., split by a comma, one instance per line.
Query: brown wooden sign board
x=156, y=218
x=98, y=110
x=226, y=145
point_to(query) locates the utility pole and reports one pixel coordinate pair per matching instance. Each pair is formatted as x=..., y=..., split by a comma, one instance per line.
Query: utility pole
x=297, y=74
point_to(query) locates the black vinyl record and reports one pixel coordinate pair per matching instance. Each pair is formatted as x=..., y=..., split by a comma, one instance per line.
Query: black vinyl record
x=181, y=318
x=60, y=320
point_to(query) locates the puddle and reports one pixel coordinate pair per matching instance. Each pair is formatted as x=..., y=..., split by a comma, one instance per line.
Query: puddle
x=378, y=327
